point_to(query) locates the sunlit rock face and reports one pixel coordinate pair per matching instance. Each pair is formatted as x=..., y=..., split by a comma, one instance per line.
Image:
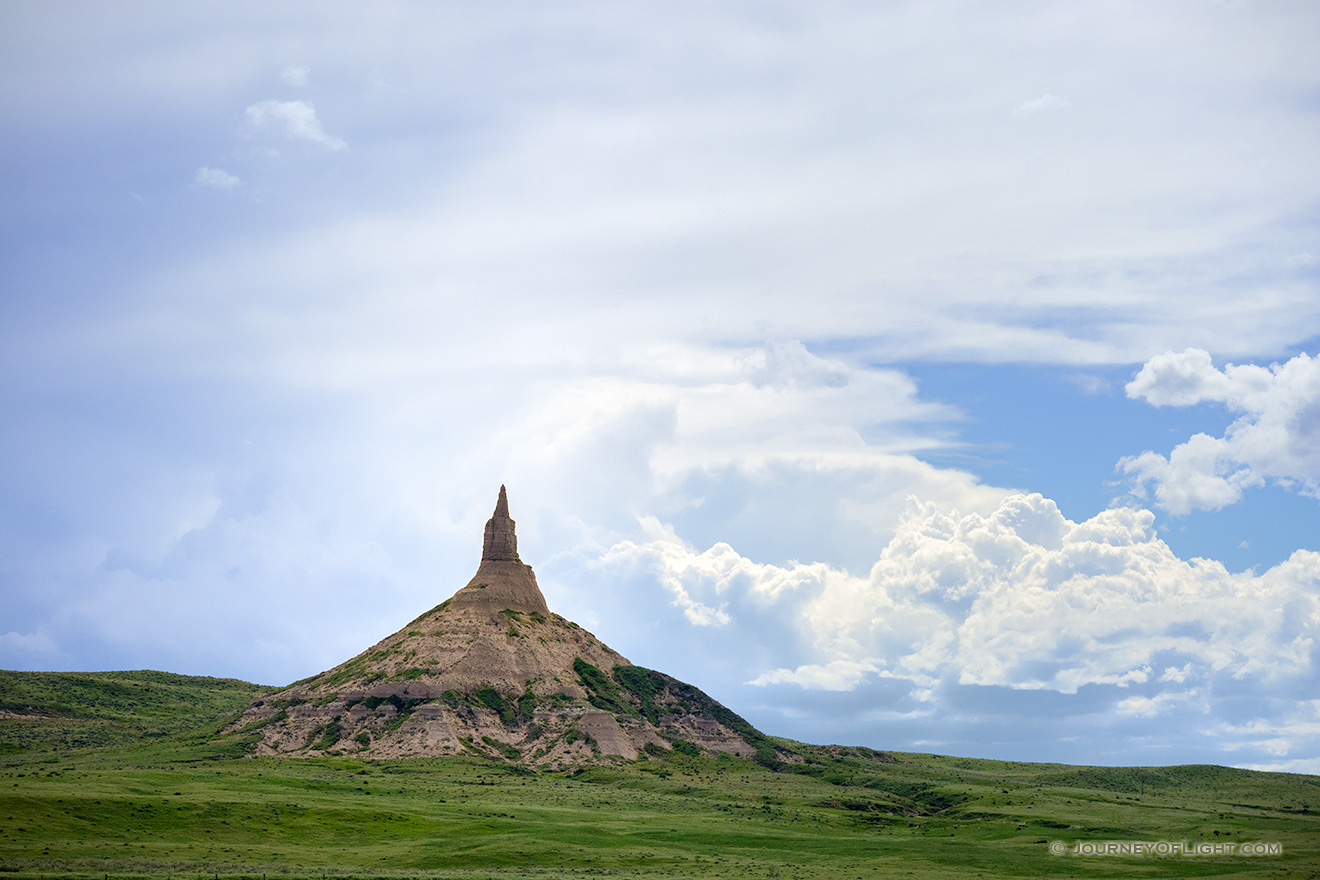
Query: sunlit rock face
x=502, y=580
x=491, y=670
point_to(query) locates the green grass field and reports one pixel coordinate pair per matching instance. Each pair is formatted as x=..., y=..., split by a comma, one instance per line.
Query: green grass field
x=154, y=792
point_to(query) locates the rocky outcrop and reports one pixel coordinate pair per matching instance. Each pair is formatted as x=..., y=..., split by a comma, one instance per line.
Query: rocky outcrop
x=502, y=580
x=493, y=671
x=501, y=542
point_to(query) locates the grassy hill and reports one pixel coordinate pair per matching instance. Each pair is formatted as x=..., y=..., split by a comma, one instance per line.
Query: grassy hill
x=154, y=792
x=41, y=711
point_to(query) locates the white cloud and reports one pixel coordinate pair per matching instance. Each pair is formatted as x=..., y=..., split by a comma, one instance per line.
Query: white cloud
x=1176, y=674
x=1043, y=104
x=34, y=647
x=1019, y=611
x=771, y=434
x=790, y=365
x=1149, y=707
x=710, y=212
x=1022, y=598
x=837, y=675
x=1277, y=438
x=1299, y=765
x=216, y=178
x=295, y=75
x=731, y=196
x=1032, y=600
x=787, y=453
x=294, y=119
x=710, y=573
x=1200, y=474
x=1296, y=730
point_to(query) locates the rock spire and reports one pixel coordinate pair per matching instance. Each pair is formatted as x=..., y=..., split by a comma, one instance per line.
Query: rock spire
x=502, y=579
x=491, y=671
x=501, y=544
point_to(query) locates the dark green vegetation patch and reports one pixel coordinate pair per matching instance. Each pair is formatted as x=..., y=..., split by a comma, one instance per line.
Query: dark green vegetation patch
x=640, y=692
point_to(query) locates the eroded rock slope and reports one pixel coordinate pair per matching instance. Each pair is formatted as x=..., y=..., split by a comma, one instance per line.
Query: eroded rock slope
x=492, y=670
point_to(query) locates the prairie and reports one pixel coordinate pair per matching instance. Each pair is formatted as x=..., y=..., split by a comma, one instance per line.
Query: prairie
x=124, y=774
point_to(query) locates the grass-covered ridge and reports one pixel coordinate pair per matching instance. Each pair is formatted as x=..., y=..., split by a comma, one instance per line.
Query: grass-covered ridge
x=70, y=710
x=187, y=804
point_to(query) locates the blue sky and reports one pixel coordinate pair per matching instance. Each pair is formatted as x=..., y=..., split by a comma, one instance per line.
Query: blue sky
x=916, y=375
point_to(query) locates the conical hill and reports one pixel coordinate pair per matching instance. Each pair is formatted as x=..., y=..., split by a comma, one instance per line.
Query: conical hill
x=492, y=670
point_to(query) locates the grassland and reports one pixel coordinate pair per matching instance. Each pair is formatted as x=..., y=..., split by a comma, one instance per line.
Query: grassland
x=185, y=803
x=67, y=711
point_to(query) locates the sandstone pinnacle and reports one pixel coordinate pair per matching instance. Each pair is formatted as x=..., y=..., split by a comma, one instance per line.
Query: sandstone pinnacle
x=491, y=671
x=501, y=544
x=502, y=579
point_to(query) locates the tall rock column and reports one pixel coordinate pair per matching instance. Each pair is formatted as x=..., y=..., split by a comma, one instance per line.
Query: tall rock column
x=501, y=544
x=503, y=581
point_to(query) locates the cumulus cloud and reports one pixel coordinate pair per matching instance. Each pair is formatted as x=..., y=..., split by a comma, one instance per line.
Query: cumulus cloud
x=1019, y=600
x=1276, y=439
x=216, y=178
x=734, y=446
x=1043, y=104
x=1022, y=598
x=711, y=573
x=789, y=365
x=296, y=120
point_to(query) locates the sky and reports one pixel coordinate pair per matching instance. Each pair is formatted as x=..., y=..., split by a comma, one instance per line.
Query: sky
x=932, y=376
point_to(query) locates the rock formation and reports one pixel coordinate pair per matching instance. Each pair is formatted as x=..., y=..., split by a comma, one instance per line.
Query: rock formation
x=493, y=671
